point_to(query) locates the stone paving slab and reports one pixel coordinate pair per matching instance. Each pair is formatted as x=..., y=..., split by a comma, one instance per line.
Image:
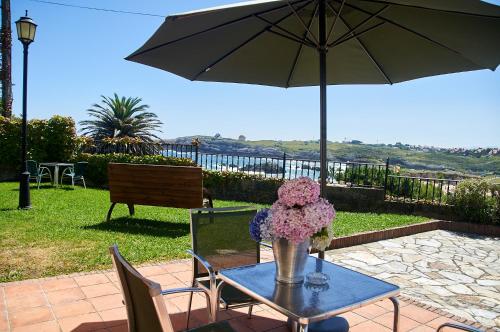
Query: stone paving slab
x=92, y=302
x=457, y=273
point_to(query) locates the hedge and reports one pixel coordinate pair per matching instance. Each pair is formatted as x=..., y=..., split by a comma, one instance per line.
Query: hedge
x=97, y=171
x=478, y=201
x=48, y=140
x=241, y=187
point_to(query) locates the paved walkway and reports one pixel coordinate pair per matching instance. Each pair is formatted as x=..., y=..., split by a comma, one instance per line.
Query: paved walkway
x=92, y=302
x=457, y=273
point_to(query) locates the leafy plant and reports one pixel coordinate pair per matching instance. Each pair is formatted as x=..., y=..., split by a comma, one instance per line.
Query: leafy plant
x=48, y=140
x=477, y=201
x=97, y=170
x=121, y=117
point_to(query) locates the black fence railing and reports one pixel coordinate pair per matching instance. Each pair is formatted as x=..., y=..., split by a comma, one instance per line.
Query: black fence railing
x=353, y=174
x=419, y=189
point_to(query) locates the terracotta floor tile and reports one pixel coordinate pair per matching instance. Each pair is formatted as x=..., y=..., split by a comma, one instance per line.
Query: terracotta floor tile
x=30, y=316
x=107, y=302
x=58, y=284
x=240, y=325
x=165, y=280
x=423, y=328
x=112, y=276
x=370, y=311
x=114, y=317
x=435, y=323
x=353, y=319
x=73, y=309
x=387, y=304
x=369, y=326
x=419, y=314
x=65, y=296
x=100, y=290
x=4, y=324
x=50, y=326
x=262, y=321
x=176, y=267
x=91, y=279
x=21, y=289
x=35, y=299
x=405, y=323
x=87, y=322
x=149, y=271
x=183, y=276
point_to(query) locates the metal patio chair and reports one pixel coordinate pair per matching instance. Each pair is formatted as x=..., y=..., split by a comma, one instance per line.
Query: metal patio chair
x=458, y=326
x=146, y=309
x=38, y=172
x=220, y=239
x=76, y=173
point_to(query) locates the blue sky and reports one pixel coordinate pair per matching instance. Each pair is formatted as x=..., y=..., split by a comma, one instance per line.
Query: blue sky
x=78, y=56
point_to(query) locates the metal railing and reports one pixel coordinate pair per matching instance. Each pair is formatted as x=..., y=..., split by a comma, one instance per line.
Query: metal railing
x=353, y=174
x=419, y=189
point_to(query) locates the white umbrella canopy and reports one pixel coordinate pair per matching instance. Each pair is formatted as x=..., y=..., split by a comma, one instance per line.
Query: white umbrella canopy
x=292, y=43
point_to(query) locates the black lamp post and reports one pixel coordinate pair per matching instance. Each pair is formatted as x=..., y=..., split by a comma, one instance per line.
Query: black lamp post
x=26, y=29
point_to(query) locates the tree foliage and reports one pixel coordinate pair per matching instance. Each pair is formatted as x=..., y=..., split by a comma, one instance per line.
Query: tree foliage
x=121, y=117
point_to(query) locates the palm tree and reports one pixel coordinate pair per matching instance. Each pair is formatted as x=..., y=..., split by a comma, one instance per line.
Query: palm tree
x=121, y=117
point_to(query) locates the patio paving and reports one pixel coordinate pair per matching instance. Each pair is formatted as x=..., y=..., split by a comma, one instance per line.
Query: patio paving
x=92, y=302
x=457, y=273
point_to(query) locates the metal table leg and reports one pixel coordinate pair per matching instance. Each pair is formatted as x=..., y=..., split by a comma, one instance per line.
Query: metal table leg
x=303, y=327
x=395, y=302
x=56, y=175
x=215, y=301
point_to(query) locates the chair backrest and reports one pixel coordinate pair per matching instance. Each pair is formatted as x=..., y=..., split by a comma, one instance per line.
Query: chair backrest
x=80, y=168
x=221, y=236
x=146, y=311
x=32, y=167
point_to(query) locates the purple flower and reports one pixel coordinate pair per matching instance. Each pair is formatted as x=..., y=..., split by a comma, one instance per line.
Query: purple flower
x=298, y=192
x=255, y=224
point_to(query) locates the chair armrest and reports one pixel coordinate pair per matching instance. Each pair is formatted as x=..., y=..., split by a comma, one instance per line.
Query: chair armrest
x=265, y=245
x=458, y=326
x=183, y=290
x=207, y=265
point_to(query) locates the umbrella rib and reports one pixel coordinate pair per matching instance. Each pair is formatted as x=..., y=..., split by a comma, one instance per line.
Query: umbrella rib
x=365, y=49
x=356, y=35
x=293, y=36
x=421, y=36
x=298, y=41
x=432, y=9
x=299, y=51
x=351, y=31
x=335, y=21
x=303, y=23
x=211, y=29
x=244, y=43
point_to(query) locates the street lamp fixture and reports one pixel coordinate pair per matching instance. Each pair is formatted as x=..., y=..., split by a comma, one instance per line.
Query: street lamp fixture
x=26, y=30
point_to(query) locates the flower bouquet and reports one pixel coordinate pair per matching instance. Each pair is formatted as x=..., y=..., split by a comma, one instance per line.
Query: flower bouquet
x=297, y=220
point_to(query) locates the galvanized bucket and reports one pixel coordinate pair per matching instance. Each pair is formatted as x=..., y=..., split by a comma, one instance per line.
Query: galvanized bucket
x=290, y=260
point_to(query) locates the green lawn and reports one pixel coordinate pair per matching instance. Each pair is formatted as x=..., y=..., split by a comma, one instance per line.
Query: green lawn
x=65, y=231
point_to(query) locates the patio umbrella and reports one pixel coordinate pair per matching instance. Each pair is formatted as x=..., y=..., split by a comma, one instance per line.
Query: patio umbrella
x=293, y=43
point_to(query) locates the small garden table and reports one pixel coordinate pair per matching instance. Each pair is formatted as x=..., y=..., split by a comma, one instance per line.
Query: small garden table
x=56, y=169
x=304, y=303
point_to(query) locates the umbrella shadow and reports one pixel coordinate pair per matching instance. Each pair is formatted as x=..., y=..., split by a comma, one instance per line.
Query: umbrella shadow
x=142, y=227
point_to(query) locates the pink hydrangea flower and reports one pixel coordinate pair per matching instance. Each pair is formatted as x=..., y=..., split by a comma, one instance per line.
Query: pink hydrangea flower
x=298, y=224
x=298, y=192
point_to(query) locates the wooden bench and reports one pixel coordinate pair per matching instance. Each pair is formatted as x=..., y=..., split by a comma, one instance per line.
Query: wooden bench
x=156, y=185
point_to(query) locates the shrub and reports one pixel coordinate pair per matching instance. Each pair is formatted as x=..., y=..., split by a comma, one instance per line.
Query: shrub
x=241, y=186
x=48, y=140
x=477, y=201
x=97, y=170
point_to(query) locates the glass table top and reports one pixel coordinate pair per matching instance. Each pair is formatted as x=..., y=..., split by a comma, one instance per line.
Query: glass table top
x=346, y=289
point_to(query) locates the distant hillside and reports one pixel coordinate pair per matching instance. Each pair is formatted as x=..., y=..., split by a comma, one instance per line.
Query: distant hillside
x=420, y=159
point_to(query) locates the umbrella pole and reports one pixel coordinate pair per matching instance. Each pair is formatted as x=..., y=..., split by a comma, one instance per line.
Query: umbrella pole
x=322, y=50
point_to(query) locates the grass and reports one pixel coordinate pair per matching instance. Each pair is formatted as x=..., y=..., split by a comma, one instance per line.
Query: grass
x=65, y=231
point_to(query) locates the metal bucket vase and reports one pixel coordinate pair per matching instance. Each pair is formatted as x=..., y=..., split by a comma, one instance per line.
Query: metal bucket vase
x=290, y=260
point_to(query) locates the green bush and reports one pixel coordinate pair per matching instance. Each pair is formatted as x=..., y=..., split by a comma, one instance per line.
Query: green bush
x=477, y=201
x=48, y=140
x=242, y=187
x=97, y=170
